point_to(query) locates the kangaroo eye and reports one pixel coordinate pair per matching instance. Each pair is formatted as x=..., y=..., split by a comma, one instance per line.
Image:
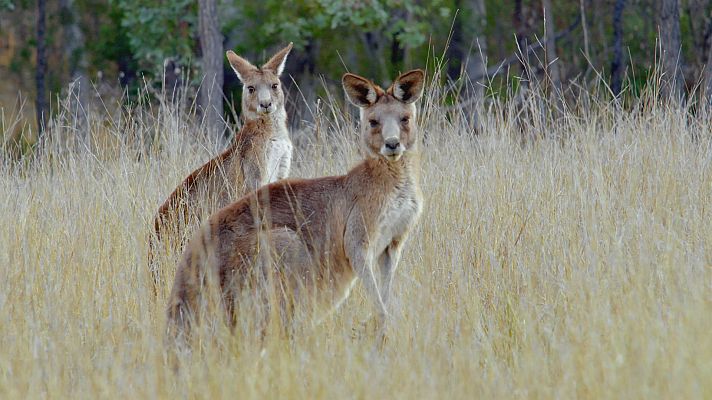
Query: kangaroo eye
x=405, y=119
x=274, y=86
x=373, y=123
x=251, y=89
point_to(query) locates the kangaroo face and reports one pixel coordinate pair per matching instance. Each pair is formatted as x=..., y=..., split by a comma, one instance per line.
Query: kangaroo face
x=262, y=90
x=387, y=127
x=387, y=116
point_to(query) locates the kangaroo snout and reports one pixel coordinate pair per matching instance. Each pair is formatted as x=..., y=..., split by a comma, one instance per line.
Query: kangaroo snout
x=392, y=148
x=392, y=143
x=265, y=101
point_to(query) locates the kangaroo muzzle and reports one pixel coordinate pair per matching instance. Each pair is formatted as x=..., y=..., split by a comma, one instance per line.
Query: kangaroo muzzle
x=392, y=149
x=266, y=105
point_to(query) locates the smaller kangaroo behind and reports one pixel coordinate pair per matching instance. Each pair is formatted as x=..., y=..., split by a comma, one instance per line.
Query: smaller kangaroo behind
x=326, y=233
x=260, y=153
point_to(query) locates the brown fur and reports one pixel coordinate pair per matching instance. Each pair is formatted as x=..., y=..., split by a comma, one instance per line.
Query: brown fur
x=260, y=153
x=219, y=180
x=323, y=233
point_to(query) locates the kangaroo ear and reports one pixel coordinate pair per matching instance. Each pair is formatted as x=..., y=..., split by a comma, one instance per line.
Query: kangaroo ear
x=241, y=66
x=360, y=91
x=409, y=86
x=276, y=63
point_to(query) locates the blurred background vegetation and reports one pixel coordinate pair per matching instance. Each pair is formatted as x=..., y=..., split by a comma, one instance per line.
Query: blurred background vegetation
x=112, y=49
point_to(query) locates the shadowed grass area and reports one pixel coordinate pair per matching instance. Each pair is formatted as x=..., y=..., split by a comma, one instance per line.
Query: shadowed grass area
x=562, y=255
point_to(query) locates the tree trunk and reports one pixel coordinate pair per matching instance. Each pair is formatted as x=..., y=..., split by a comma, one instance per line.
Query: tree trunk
x=455, y=48
x=473, y=45
x=211, y=43
x=468, y=52
x=520, y=31
x=304, y=72
x=552, y=63
x=584, y=27
x=78, y=91
x=468, y=46
x=41, y=68
x=617, y=66
x=372, y=42
x=671, y=54
x=550, y=34
x=698, y=12
x=398, y=49
x=707, y=72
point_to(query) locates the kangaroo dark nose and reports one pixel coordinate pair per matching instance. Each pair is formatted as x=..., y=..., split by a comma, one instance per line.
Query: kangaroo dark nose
x=392, y=143
x=266, y=105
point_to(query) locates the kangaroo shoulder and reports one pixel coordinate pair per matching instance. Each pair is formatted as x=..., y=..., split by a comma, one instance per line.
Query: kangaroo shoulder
x=254, y=135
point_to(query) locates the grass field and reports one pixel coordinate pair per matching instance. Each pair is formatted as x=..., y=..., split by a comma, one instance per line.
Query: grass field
x=562, y=256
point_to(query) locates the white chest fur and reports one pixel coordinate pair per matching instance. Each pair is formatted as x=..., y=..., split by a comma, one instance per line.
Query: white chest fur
x=402, y=210
x=279, y=156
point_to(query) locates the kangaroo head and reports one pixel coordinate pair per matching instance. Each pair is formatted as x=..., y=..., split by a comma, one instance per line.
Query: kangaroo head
x=261, y=89
x=387, y=116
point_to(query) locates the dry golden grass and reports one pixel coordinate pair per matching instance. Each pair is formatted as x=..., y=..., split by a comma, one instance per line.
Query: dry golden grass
x=574, y=265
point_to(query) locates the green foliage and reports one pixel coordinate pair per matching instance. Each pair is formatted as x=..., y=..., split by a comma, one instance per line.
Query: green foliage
x=7, y=5
x=367, y=15
x=112, y=44
x=158, y=30
x=405, y=20
x=377, y=38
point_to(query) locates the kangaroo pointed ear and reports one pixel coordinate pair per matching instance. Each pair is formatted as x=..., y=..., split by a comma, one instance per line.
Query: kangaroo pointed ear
x=276, y=63
x=409, y=86
x=360, y=91
x=241, y=66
